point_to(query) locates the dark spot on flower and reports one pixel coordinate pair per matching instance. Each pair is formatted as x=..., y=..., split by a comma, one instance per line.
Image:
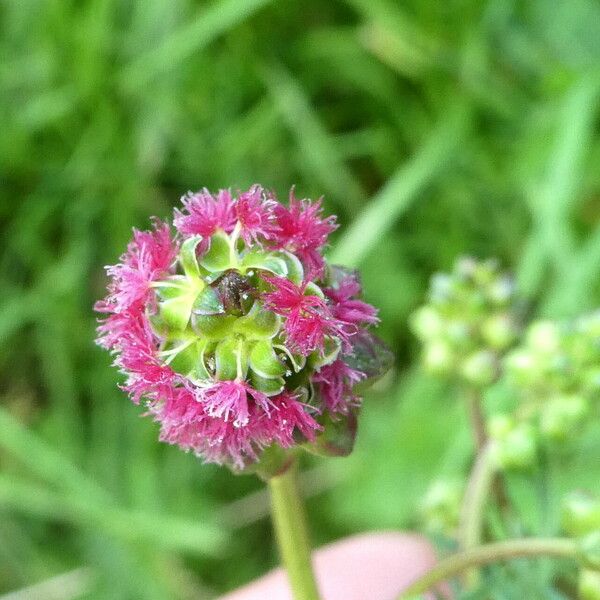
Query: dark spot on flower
x=235, y=292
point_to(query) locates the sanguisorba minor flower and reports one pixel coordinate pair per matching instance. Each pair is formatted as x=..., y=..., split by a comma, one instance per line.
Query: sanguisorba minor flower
x=234, y=330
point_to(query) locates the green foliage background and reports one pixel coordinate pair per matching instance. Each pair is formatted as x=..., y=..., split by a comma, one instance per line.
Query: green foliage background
x=431, y=128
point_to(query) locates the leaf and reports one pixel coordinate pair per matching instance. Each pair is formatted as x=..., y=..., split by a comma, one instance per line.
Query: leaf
x=337, y=273
x=337, y=438
x=370, y=355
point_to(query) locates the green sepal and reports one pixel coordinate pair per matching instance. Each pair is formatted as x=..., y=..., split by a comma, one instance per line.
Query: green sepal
x=268, y=386
x=215, y=327
x=274, y=460
x=159, y=327
x=295, y=270
x=258, y=324
x=231, y=359
x=331, y=350
x=172, y=287
x=187, y=256
x=298, y=361
x=264, y=360
x=218, y=256
x=190, y=362
x=257, y=259
x=312, y=289
x=176, y=301
x=337, y=438
x=208, y=303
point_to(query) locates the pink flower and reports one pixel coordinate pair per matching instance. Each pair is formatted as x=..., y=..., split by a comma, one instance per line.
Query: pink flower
x=346, y=308
x=221, y=442
x=149, y=256
x=335, y=383
x=185, y=423
x=308, y=318
x=231, y=399
x=204, y=213
x=291, y=415
x=255, y=214
x=146, y=375
x=304, y=232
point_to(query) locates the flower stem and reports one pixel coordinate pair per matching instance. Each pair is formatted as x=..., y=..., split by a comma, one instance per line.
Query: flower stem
x=490, y=553
x=473, y=398
x=480, y=483
x=291, y=531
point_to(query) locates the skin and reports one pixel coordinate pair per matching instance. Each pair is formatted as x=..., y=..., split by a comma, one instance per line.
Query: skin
x=374, y=566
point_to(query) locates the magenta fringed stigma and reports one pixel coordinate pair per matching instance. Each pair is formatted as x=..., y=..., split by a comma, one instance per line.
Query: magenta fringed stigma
x=236, y=332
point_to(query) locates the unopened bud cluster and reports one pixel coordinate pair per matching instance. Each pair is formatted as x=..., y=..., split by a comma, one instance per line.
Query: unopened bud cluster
x=556, y=375
x=581, y=519
x=468, y=321
x=440, y=509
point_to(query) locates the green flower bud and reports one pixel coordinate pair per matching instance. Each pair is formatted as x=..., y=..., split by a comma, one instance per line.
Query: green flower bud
x=499, y=331
x=469, y=312
x=591, y=379
x=557, y=372
x=466, y=268
x=441, y=289
x=589, y=551
x=501, y=291
x=438, y=357
x=522, y=365
x=500, y=426
x=544, y=336
x=589, y=585
x=441, y=506
x=589, y=325
x=562, y=416
x=480, y=368
x=426, y=323
x=517, y=447
x=580, y=514
x=459, y=334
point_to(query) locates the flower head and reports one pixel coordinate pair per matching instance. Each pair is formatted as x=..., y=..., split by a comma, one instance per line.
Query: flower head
x=234, y=331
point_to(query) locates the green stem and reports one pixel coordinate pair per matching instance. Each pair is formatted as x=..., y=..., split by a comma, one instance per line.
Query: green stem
x=291, y=531
x=478, y=488
x=476, y=418
x=483, y=555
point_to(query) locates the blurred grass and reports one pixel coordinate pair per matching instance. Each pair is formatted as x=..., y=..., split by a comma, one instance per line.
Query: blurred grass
x=431, y=128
